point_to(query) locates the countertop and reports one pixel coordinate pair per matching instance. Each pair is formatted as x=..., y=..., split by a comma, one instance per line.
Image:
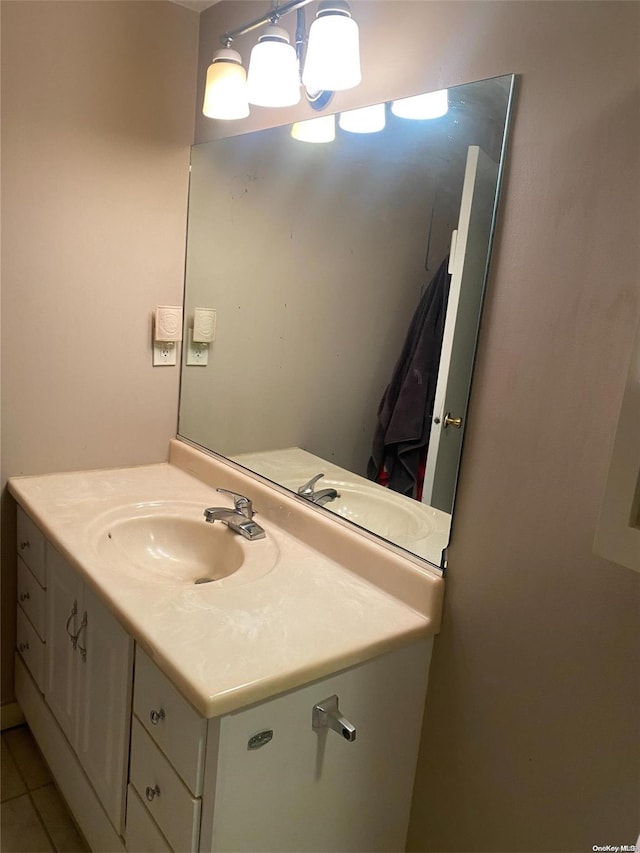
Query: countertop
x=225, y=646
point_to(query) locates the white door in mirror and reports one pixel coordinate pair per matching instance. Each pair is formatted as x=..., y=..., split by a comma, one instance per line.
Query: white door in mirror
x=469, y=251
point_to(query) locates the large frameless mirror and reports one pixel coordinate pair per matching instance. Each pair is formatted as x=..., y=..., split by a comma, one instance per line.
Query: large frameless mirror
x=342, y=284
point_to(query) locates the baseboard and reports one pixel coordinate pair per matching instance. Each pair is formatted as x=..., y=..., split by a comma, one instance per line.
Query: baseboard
x=11, y=716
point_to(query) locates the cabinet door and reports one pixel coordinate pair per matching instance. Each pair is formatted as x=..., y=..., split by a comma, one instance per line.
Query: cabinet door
x=311, y=790
x=105, y=654
x=63, y=622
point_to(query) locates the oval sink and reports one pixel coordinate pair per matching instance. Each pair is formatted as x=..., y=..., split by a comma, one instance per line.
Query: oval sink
x=179, y=547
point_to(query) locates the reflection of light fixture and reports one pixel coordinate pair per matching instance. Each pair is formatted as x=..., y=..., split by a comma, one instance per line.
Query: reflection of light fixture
x=225, y=94
x=321, y=129
x=333, y=52
x=273, y=79
x=364, y=120
x=332, y=62
x=429, y=105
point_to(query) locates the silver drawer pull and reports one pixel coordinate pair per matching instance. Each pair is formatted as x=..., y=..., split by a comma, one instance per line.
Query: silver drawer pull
x=151, y=793
x=24, y=647
x=24, y=596
x=24, y=545
x=156, y=716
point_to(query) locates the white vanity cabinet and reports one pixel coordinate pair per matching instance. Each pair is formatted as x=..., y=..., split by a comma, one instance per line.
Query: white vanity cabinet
x=88, y=681
x=146, y=771
x=272, y=782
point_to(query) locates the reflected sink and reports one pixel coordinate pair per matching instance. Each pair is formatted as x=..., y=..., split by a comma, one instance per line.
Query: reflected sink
x=386, y=513
x=174, y=545
x=391, y=514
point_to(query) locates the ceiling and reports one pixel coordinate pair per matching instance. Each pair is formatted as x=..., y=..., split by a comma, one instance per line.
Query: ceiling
x=196, y=5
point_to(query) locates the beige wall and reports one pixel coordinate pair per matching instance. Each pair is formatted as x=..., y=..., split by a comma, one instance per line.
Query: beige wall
x=531, y=737
x=97, y=120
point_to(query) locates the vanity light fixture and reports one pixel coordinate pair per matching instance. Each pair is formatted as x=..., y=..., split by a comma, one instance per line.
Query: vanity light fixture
x=321, y=129
x=273, y=79
x=364, y=120
x=420, y=107
x=333, y=52
x=332, y=62
x=225, y=95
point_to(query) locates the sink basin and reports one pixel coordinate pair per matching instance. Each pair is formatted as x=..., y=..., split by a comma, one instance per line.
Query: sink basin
x=176, y=546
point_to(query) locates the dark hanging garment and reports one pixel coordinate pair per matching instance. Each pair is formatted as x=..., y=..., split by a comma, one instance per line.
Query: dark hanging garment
x=406, y=408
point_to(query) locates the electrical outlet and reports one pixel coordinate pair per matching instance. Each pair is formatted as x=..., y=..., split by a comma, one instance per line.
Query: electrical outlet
x=164, y=353
x=197, y=353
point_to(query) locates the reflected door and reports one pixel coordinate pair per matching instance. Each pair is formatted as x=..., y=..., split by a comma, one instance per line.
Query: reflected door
x=468, y=260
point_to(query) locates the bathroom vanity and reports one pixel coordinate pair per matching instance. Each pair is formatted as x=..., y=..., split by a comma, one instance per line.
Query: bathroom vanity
x=193, y=690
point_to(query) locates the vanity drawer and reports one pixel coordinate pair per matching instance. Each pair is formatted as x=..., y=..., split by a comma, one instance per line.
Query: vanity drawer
x=164, y=794
x=31, y=648
x=31, y=546
x=31, y=597
x=171, y=721
x=142, y=832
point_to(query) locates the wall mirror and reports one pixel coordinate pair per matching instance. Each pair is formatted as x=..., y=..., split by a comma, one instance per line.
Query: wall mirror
x=347, y=280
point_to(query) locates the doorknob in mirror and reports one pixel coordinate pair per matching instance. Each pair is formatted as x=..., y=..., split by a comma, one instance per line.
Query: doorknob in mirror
x=454, y=422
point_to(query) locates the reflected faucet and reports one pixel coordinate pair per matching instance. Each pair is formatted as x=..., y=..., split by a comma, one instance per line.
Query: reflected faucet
x=319, y=498
x=239, y=519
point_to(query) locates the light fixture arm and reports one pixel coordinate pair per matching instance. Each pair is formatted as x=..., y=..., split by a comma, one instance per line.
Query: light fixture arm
x=280, y=11
x=325, y=60
x=301, y=35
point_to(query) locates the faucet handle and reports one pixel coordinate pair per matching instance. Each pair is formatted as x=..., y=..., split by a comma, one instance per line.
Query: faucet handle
x=307, y=490
x=241, y=503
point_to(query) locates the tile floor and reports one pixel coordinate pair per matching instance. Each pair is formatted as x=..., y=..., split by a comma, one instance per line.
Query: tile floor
x=33, y=815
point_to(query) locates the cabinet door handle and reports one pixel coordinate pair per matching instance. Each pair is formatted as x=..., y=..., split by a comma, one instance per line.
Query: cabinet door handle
x=156, y=716
x=25, y=544
x=24, y=596
x=72, y=615
x=24, y=647
x=83, y=625
x=151, y=793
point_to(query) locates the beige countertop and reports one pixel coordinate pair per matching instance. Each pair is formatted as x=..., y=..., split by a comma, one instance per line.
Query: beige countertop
x=323, y=598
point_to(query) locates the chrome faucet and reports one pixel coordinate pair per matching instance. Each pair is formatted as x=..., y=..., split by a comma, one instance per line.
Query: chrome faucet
x=320, y=498
x=239, y=519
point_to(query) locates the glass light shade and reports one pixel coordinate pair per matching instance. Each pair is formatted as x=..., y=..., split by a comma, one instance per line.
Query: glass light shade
x=429, y=105
x=364, y=120
x=225, y=94
x=333, y=52
x=274, y=78
x=321, y=129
